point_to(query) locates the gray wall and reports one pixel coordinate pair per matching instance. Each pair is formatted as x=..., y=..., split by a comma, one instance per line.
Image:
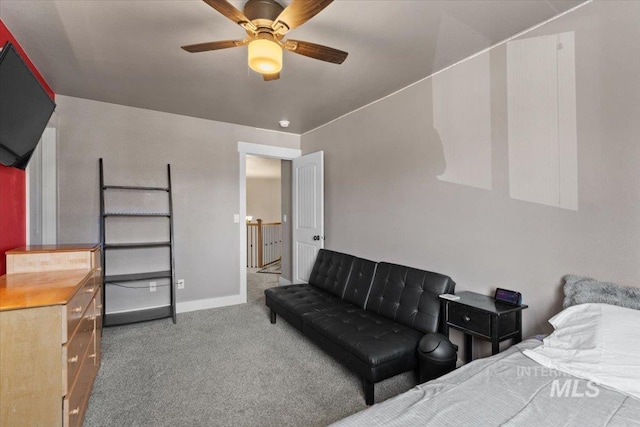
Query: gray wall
x=287, y=255
x=136, y=145
x=385, y=202
x=263, y=199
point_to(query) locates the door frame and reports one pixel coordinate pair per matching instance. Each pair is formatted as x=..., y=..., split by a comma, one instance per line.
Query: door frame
x=270, y=151
x=42, y=204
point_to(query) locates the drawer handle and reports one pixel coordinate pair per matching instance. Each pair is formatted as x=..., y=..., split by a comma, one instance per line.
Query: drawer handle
x=74, y=411
x=466, y=318
x=73, y=359
x=92, y=355
x=89, y=291
x=91, y=318
x=77, y=309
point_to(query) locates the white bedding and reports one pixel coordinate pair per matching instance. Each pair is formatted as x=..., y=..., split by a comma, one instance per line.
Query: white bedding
x=587, y=373
x=596, y=342
x=508, y=389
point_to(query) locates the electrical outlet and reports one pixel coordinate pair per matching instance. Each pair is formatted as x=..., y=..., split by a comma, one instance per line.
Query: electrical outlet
x=181, y=284
x=152, y=286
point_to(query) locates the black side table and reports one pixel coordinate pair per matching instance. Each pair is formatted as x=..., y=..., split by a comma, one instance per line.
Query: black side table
x=483, y=317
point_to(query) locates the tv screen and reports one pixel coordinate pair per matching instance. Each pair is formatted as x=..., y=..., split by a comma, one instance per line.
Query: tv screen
x=25, y=109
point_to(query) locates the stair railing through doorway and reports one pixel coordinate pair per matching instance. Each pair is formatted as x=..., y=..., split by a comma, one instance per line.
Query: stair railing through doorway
x=264, y=243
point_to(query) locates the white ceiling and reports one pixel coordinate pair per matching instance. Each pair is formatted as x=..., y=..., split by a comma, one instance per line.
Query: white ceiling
x=128, y=52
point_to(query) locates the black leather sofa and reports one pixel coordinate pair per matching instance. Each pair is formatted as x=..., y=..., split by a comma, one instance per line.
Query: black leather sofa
x=369, y=316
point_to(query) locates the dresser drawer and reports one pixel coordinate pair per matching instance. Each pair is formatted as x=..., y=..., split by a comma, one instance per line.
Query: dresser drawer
x=470, y=319
x=75, y=349
x=77, y=306
x=96, y=260
x=97, y=307
x=75, y=403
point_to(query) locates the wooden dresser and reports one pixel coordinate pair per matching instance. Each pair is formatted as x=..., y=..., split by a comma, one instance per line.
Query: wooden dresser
x=50, y=334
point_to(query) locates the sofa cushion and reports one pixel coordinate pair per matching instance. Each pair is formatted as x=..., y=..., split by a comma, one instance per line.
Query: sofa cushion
x=408, y=296
x=293, y=301
x=331, y=271
x=373, y=339
x=360, y=281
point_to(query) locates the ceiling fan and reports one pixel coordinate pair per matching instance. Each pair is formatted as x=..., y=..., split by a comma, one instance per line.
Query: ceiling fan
x=266, y=23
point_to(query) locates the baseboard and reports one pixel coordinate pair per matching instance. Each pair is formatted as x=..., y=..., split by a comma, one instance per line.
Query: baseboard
x=282, y=281
x=203, y=304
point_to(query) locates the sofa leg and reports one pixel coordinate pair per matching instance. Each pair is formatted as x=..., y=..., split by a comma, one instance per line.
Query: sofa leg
x=273, y=317
x=368, y=392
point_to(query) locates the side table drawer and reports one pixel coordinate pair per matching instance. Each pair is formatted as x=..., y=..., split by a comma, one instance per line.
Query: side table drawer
x=470, y=319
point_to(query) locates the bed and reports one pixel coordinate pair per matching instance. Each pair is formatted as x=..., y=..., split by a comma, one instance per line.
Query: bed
x=586, y=373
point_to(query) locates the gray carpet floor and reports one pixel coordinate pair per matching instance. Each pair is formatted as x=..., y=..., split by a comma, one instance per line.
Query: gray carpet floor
x=224, y=367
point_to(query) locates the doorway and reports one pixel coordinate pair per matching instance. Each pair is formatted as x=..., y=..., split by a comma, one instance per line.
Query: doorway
x=252, y=154
x=266, y=221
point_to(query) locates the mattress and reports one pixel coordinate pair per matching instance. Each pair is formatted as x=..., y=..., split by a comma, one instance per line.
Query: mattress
x=506, y=389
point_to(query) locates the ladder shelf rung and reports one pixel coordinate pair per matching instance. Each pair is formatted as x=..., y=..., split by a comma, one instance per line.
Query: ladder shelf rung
x=143, y=315
x=143, y=214
x=138, y=276
x=136, y=245
x=131, y=187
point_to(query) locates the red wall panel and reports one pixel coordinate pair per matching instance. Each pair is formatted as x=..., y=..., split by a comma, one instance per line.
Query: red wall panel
x=13, y=209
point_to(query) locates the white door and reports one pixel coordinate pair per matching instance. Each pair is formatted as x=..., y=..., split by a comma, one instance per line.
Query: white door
x=308, y=213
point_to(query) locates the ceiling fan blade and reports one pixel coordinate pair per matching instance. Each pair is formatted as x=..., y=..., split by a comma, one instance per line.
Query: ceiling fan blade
x=316, y=51
x=228, y=10
x=269, y=77
x=222, y=44
x=297, y=13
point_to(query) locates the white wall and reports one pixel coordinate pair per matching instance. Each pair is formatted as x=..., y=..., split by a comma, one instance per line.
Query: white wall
x=384, y=200
x=263, y=199
x=136, y=145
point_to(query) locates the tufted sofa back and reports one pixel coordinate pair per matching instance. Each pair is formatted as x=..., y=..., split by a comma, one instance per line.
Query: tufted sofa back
x=408, y=296
x=360, y=280
x=403, y=294
x=331, y=271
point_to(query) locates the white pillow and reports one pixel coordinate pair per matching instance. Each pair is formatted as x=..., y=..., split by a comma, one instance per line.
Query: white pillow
x=597, y=342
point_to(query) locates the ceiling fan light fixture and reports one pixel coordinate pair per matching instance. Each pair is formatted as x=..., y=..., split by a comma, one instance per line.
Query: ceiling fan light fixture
x=265, y=56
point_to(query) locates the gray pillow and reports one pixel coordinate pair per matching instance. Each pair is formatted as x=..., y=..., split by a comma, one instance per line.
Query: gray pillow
x=582, y=290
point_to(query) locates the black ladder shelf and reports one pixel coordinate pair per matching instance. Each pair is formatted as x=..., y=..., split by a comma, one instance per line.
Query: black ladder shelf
x=143, y=314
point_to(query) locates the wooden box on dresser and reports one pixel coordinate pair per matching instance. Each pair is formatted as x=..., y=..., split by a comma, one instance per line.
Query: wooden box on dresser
x=50, y=334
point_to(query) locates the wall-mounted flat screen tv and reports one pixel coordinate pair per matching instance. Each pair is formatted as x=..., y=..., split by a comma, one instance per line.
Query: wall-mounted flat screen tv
x=25, y=109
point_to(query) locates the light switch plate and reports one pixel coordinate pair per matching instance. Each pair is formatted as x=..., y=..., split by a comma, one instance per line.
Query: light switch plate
x=236, y=218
